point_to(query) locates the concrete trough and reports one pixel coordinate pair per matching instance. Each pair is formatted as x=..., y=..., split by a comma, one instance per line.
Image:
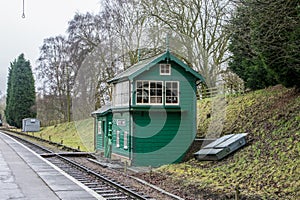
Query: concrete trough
x=221, y=147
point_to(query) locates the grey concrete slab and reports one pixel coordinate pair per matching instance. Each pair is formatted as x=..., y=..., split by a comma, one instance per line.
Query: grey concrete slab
x=18, y=180
x=77, y=195
x=25, y=175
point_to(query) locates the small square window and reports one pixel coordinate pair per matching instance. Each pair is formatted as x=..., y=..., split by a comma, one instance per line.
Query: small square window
x=165, y=69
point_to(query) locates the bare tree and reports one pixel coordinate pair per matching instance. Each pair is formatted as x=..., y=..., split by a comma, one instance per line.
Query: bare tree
x=111, y=40
x=199, y=24
x=91, y=38
x=55, y=72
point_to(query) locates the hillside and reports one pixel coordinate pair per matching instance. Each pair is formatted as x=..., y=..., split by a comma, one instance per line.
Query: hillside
x=267, y=168
x=75, y=134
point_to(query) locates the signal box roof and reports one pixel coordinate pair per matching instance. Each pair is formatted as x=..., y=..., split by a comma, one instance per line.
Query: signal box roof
x=146, y=64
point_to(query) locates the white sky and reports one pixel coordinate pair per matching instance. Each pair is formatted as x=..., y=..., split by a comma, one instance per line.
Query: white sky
x=44, y=19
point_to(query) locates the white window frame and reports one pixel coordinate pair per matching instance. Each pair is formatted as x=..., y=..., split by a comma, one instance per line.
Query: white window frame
x=121, y=94
x=99, y=127
x=148, y=89
x=118, y=139
x=178, y=93
x=125, y=140
x=163, y=68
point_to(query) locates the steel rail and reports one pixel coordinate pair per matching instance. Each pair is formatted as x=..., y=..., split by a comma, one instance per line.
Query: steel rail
x=46, y=153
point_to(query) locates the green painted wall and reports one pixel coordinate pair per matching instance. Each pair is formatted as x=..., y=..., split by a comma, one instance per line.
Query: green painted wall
x=162, y=136
x=121, y=123
x=100, y=138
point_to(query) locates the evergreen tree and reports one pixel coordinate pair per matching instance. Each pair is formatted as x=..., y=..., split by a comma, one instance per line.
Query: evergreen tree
x=266, y=42
x=8, y=110
x=20, y=92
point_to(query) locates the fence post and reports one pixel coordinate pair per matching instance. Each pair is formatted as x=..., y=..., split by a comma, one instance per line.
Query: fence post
x=237, y=193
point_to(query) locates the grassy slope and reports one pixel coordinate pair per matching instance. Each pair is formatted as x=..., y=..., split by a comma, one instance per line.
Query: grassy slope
x=269, y=166
x=73, y=134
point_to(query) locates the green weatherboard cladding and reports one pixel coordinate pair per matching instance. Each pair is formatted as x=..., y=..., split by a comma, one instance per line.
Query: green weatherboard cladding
x=165, y=135
x=121, y=124
x=151, y=134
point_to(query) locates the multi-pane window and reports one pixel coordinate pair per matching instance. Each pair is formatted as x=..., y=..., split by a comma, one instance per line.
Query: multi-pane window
x=172, y=92
x=165, y=69
x=155, y=92
x=121, y=94
x=149, y=92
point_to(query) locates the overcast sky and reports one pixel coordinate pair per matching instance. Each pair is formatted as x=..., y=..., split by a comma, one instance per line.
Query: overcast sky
x=43, y=19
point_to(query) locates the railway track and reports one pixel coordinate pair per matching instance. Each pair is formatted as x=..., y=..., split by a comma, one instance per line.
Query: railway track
x=106, y=187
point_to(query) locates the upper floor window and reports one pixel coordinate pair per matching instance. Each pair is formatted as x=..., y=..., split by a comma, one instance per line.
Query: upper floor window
x=152, y=92
x=149, y=92
x=172, y=92
x=121, y=94
x=165, y=69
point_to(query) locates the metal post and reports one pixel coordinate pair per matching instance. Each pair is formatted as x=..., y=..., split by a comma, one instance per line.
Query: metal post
x=125, y=167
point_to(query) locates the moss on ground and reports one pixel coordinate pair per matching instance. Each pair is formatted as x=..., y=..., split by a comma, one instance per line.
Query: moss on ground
x=268, y=167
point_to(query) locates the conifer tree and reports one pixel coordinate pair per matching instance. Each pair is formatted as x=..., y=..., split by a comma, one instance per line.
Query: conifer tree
x=20, y=92
x=265, y=43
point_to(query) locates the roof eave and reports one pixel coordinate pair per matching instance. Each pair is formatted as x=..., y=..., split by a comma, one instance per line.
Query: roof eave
x=187, y=68
x=166, y=55
x=114, y=80
x=149, y=65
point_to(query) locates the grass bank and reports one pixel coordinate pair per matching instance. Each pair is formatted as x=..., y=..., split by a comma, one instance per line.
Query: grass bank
x=268, y=168
x=74, y=134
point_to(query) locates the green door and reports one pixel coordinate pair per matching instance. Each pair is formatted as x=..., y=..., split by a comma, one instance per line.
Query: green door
x=108, y=140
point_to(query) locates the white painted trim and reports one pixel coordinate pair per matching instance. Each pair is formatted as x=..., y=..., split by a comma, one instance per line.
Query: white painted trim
x=149, y=81
x=178, y=95
x=118, y=139
x=89, y=190
x=165, y=74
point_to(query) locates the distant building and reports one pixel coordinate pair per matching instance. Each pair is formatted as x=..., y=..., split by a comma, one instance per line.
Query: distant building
x=30, y=125
x=152, y=118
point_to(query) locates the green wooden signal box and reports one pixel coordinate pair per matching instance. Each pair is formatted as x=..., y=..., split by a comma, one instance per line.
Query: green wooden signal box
x=152, y=117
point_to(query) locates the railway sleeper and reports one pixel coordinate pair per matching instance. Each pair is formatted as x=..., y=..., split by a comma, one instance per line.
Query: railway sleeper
x=108, y=195
x=76, y=174
x=105, y=191
x=91, y=184
x=99, y=189
x=116, y=198
x=85, y=181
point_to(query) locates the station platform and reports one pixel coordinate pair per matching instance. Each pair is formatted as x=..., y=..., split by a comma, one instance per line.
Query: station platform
x=24, y=175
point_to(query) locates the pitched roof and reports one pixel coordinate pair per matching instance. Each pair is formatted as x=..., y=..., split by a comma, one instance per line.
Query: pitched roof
x=102, y=111
x=146, y=64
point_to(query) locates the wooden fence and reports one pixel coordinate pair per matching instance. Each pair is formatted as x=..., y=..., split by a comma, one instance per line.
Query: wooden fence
x=203, y=93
